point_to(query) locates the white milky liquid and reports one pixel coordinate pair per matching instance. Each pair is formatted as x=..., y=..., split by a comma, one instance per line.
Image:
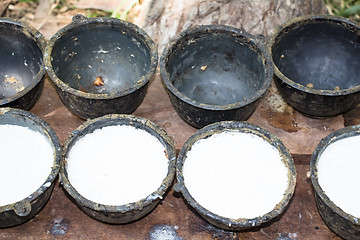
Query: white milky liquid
x=235, y=175
x=117, y=165
x=25, y=163
x=339, y=174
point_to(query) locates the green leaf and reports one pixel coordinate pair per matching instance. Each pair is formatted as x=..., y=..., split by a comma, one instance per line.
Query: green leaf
x=351, y=11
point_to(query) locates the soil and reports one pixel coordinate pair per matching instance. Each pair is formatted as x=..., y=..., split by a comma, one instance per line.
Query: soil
x=48, y=16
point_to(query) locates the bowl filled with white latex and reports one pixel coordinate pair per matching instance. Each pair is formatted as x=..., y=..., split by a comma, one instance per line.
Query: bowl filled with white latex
x=235, y=175
x=335, y=177
x=117, y=168
x=29, y=163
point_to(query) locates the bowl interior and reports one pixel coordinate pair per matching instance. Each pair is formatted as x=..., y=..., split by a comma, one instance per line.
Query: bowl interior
x=100, y=57
x=321, y=54
x=215, y=67
x=20, y=61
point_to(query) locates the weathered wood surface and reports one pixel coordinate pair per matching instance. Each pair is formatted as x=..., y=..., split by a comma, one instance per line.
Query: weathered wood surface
x=173, y=219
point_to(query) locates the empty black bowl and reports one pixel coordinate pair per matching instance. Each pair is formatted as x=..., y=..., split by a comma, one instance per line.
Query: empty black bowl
x=21, y=62
x=317, y=64
x=100, y=65
x=214, y=73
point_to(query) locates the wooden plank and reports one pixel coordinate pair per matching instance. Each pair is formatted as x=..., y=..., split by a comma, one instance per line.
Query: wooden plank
x=62, y=219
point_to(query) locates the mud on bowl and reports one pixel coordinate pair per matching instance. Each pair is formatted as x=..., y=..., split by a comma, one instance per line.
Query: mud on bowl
x=21, y=63
x=100, y=65
x=335, y=177
x=30, y=162
x=117, y=168
x=235, y=175
x=317, y=64
x=215, y=73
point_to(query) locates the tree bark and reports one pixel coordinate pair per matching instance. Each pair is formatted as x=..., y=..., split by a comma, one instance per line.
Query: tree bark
x=3, y=6
x=163, y=19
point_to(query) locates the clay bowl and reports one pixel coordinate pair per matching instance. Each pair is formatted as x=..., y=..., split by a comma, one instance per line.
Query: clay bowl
x=100, y=65
x=317, y=64
x=129, y=211
x=334, y=211
x=21, y=61
x=18, y=212
x=214, y=73
x=208, y=183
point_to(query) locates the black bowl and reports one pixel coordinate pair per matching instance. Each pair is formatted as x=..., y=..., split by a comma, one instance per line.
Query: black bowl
x=100, y=65
x=119, y=214
x=21, y=62
x=21, y=211
x=240, y=223
x=342, y=223
x=317, y=64
x=214, y=73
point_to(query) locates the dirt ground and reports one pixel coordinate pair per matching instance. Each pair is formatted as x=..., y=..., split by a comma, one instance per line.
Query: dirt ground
x=48, y=16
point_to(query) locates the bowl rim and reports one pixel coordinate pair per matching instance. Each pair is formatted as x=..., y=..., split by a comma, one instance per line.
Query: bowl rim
x=245, y=127
x=53, y=139
x=254, y=41
x=309, y=19
x=118, y=120
x=40, y=41
x=79, y=21
x=322, y=145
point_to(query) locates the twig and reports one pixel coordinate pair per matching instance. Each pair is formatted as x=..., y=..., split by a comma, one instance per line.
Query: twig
x=118, y=8
x=3, y=6
x=52, y=7
x=127, y=10
x=263, y=232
